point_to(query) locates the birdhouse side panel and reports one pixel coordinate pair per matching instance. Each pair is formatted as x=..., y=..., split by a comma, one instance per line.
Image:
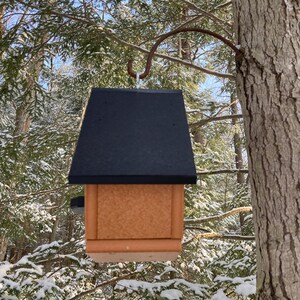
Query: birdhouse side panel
x=91, y=211
x=177, y=211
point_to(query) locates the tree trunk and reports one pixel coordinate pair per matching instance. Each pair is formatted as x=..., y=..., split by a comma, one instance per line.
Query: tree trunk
x=268, y=87
x=22, y=121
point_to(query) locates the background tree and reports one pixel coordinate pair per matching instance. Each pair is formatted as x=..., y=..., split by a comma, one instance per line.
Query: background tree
x=268, y=87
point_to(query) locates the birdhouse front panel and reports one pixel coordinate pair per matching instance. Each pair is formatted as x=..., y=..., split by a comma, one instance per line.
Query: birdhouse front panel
x=134, y=155
x=138, y=217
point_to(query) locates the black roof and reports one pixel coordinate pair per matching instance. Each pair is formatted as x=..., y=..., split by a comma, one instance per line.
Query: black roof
x=134, y=136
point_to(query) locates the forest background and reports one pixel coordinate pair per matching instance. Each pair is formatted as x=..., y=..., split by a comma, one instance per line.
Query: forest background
x=52, y=53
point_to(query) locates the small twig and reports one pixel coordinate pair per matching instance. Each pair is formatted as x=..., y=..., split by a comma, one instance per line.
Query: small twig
x=193, y=111
x=44, y=191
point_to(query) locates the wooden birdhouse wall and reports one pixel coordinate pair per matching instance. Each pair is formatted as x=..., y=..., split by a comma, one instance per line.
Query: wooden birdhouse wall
x=144, y=221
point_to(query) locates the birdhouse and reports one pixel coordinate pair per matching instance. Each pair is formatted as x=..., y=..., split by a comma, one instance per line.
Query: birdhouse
x=134, y=156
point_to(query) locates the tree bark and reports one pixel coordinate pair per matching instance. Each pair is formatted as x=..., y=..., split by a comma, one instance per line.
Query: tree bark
x=268, y=75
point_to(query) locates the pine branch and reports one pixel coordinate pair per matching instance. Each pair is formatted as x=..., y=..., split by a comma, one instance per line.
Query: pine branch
x=222, y=171
x=227, y=214
x=196, y=18
x=117, y=39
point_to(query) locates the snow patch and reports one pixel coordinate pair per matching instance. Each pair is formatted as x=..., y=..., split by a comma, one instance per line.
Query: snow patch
x=171, y=294
x=46, y=285
x=4, y=268
x=220, y=295
x=246, y=289
x=152, y=287
x=245, y=285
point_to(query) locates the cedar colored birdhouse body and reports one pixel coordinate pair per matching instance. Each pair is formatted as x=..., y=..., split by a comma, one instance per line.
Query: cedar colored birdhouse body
x=134, y=156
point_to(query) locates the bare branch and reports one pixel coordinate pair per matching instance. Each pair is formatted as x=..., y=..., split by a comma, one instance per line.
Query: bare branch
x=227, y=214
x=222, y=171
x=44, y=191
x=215, y=235
x=213, y=119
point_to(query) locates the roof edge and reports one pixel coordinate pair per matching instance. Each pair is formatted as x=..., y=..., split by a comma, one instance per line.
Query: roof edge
x=162, y=91
x=134, y=179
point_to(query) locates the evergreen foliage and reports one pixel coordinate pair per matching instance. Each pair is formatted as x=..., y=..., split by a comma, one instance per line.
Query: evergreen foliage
x=52, y=52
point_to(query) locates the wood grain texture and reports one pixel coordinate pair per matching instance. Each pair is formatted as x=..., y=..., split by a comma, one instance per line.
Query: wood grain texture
x=134, y=211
